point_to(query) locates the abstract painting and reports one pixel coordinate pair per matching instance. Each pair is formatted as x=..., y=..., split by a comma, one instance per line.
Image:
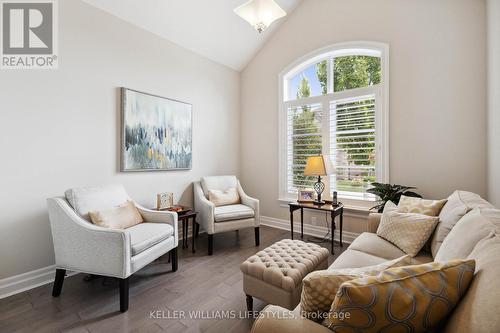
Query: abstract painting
x=156, y=132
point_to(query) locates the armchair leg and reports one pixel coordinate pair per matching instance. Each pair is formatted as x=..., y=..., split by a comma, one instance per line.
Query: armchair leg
x=58, y=282
x=210, y=245
x=175, y=262
x=257, y=236
x=124, y=286
x=249, y=303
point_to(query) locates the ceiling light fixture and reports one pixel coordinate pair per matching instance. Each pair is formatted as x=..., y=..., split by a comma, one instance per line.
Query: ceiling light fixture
x=260, y=13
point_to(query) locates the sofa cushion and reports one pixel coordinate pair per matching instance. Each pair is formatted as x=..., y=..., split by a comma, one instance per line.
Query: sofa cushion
x=145, y=235
x=375, y=245
x=474, y=226
x=320, y=287
x=478, y=310
x=86, y=199
x=408, y=231
x=411, y=298
x=355, y=259
x=233, y=212
x=420, y=206
x=369, y=249
x=220, y=183
x=458, y=204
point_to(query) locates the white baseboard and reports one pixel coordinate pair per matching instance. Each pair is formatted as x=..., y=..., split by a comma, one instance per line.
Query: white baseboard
x=312, y=230
x=29, y=280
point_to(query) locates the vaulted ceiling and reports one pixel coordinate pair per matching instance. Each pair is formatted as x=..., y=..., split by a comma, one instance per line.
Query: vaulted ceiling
x=207, y=27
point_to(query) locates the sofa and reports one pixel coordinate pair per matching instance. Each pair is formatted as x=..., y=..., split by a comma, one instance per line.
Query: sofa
x=469, y=227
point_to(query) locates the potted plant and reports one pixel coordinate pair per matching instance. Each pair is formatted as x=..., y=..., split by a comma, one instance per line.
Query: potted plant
x=389, y=192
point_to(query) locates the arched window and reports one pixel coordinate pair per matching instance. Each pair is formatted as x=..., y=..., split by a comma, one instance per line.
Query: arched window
x=334, y=102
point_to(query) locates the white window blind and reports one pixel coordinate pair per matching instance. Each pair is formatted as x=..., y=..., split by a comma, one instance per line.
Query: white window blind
x=353, y=145
x=304, y=139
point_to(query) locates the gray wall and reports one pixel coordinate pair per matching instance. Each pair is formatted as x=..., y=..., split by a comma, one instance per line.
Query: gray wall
x=59, y=128
x=494, y=101
x=437, y=90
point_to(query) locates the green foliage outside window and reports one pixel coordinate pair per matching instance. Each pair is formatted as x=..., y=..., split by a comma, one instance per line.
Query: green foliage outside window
x=305, y=121
x=355, y=72
x=349, y=72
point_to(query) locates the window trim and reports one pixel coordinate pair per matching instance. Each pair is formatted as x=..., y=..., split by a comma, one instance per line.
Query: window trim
x=381, y=92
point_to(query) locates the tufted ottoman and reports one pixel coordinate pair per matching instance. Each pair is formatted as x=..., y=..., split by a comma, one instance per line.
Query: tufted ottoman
x=275, y=274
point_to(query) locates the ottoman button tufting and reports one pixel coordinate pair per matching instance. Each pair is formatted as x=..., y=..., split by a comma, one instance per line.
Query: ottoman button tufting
x=283, y=265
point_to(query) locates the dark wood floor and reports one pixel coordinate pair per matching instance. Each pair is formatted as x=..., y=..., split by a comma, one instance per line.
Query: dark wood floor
x=202, y=283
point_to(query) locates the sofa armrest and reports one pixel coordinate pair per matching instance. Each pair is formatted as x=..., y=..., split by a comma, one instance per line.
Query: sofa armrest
x=277, y=319
x=154, y=216
x=373, y=222
x=84, y=247
x=250, y=202
x=204, y=208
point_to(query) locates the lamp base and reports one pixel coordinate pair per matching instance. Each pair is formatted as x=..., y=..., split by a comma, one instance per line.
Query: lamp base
x=319, y=187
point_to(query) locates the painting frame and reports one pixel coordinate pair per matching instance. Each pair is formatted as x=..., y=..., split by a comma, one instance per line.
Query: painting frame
x=124, y=92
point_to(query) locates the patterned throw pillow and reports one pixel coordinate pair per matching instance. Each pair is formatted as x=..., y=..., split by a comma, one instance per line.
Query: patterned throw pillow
x=405, y=299
x=320, y=287
x=420, y=206
x=408, y=231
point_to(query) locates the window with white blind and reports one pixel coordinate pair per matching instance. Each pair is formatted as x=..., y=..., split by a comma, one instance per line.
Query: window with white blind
x=334, y=103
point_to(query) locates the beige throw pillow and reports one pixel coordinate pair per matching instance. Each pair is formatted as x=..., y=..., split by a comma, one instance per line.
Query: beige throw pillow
x=124, y=216
x=458, y=204
x=469, y=230
x=320, y=287
x=224, y=198
x=420, y=206
x=390, y=207
x=408, y=231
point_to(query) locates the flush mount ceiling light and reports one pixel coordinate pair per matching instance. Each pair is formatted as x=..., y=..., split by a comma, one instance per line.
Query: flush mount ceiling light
x=260, y=13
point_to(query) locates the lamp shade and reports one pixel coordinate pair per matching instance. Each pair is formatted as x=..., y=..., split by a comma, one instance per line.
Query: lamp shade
x=317, y=166
x=260, y=13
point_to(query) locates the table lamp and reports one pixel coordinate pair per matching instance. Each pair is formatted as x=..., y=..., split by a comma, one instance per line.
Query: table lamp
x=318, y=166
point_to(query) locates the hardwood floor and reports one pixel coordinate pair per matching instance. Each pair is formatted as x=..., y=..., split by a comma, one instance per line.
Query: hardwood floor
x=203, y=284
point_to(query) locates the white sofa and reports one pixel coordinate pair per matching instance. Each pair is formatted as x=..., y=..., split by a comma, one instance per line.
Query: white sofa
x=82, y=246
x=478, y=237
x=225, y=218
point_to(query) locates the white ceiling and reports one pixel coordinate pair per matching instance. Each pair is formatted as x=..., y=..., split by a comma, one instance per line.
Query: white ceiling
x=207, y=27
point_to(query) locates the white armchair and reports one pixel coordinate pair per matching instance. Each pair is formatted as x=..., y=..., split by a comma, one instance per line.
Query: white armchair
x=225, y=218
x=82, y=246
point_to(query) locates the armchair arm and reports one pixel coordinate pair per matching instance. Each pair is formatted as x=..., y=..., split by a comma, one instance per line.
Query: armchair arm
x=373, y=222
x=250, y=202
x=204, y=208
x=277, y=319
x=84, y=247
x=154, y=216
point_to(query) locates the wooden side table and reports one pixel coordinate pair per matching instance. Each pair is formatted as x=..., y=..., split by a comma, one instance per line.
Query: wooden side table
x=183, y=218
x=334, y=210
